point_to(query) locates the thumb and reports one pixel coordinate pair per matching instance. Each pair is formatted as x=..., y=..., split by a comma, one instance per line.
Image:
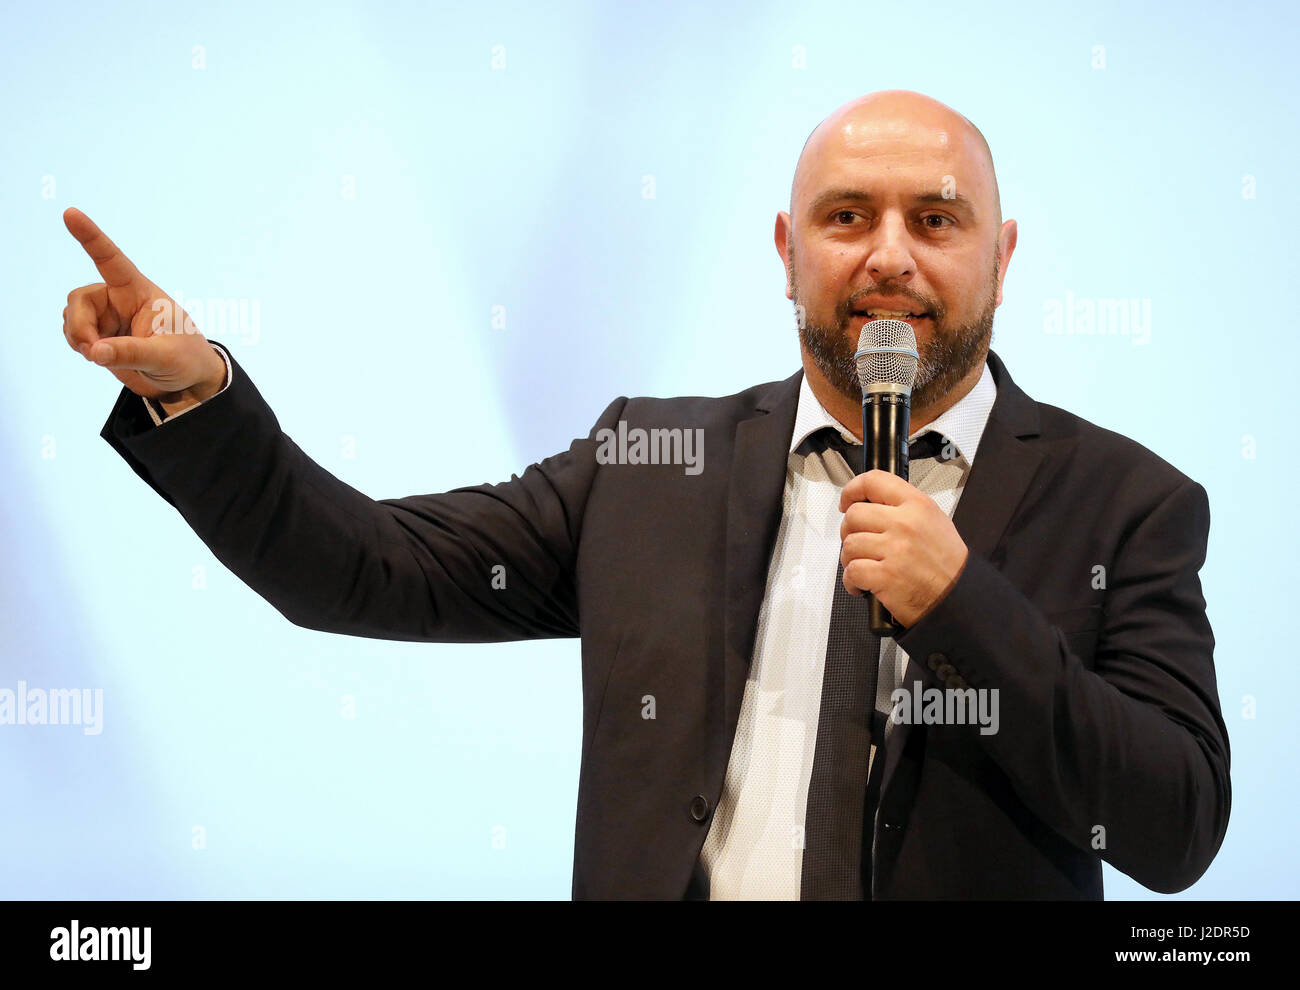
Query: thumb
x=130, y=354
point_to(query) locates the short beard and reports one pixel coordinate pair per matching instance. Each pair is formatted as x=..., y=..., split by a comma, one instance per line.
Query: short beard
x=945, y=359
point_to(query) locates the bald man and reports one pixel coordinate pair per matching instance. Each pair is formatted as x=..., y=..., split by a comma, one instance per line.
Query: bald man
x=1047, y=704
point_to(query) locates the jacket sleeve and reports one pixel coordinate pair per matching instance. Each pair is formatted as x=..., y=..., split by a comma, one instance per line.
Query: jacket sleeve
x=1136, y=746
x=489, y=563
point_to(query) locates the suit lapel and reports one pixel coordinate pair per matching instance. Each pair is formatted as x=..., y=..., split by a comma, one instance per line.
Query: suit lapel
x=755, y=498
x=1004, y=466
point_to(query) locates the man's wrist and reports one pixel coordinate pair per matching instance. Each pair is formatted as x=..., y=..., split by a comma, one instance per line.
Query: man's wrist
x=212, y=383
x=215, y=381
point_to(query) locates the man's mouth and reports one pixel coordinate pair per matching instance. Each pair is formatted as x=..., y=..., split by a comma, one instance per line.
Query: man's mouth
x=912, y=318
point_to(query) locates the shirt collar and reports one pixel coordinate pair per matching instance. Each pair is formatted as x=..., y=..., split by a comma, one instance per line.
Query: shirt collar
x=963, y=423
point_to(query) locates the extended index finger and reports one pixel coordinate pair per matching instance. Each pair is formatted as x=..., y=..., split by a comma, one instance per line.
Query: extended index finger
x=114, y=267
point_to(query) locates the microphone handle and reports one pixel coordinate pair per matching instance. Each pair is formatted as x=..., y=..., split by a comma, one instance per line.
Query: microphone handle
x=885, y=419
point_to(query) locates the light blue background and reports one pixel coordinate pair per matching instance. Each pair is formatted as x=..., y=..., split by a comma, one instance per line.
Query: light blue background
x=522, y=188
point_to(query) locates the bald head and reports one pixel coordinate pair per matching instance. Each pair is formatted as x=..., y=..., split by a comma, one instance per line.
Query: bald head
x=891, y=116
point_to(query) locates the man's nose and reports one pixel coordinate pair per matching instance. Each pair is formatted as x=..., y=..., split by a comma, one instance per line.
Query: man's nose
x=889, y=251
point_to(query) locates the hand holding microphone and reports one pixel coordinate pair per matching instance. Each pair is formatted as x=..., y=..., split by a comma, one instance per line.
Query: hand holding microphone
x=899, y=547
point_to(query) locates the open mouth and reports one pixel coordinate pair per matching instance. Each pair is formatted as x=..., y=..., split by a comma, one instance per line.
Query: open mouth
x=889, y=314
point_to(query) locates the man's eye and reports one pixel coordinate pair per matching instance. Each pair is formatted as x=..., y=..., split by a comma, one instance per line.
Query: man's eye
x=841, y=214
x=943, y=221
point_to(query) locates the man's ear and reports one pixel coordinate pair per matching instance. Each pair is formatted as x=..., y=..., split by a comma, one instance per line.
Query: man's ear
x=1006, y=245
x=783, y=244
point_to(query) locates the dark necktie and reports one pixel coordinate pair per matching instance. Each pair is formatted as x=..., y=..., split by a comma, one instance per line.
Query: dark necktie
x=838, y=820
x=928, y=444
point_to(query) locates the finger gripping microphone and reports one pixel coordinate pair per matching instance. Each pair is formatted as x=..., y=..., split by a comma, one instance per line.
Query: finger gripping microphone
x=887, y=361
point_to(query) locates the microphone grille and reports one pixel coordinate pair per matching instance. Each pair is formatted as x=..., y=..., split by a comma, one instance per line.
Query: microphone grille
x=886, y=353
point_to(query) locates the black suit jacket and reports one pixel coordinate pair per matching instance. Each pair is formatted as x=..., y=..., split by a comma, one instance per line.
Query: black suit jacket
x=1080, y=603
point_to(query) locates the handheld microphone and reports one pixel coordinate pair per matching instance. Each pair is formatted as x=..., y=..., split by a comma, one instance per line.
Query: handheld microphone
x=887, y=361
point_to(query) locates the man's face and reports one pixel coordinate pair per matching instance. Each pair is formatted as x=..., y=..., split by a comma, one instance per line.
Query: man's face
x=894, y=212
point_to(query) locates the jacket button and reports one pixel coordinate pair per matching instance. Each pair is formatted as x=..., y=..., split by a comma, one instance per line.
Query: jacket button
x=945, y=671
x=936, y=659
x=956, y=682
x=700, y=808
